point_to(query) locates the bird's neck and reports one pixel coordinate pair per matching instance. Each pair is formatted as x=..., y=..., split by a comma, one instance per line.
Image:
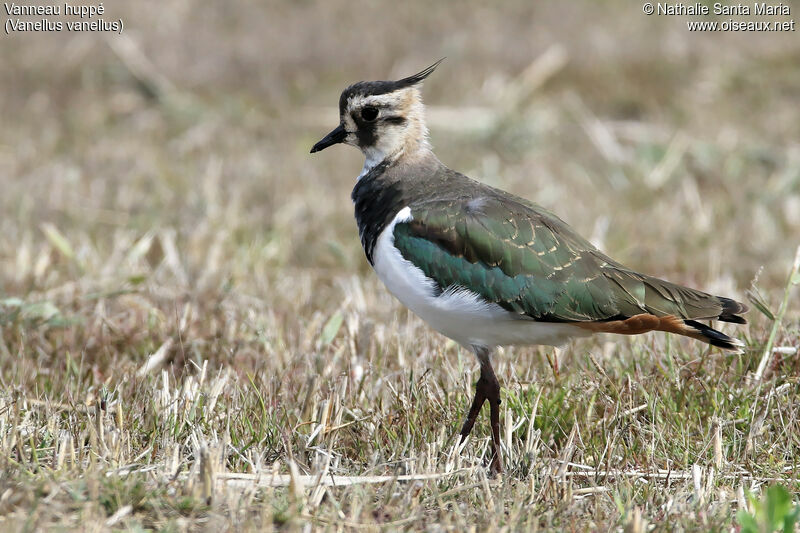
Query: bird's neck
x=409, y=152
x=372, y=158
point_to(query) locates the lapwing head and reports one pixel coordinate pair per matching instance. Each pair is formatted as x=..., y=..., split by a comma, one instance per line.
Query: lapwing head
x=382, y=118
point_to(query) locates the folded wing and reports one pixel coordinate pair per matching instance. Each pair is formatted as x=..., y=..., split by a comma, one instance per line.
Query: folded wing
x=530, y=262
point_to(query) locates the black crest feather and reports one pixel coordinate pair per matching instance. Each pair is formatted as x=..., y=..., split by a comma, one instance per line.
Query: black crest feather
x=418, y=77
x=371, y=88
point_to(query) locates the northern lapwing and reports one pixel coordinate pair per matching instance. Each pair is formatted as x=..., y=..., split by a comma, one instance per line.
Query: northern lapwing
x=484, y=267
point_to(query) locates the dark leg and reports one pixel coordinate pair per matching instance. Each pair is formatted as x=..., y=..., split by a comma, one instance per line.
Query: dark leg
x=487, y=388
x=472, y=415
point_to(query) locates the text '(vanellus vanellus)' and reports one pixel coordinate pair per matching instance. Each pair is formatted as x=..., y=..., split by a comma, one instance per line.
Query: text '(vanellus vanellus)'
x=484, y=267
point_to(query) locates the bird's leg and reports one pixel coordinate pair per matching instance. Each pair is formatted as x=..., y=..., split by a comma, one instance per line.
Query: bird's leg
x=487, y=388
x=472, y=415
x=493, y=395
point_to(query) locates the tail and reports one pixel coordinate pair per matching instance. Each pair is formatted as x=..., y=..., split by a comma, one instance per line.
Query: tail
x=726, y=310
x=701, y=332
x=731, y=310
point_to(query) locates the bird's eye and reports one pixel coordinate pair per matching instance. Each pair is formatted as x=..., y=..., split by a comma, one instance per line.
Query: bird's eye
x=369, y=113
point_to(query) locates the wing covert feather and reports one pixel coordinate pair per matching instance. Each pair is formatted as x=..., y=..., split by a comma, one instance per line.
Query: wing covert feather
x=530, y=262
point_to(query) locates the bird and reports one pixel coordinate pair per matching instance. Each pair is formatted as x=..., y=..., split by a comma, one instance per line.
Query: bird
x=487, y=268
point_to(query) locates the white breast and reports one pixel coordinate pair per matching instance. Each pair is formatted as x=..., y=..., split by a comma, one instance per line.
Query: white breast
x=458, y=313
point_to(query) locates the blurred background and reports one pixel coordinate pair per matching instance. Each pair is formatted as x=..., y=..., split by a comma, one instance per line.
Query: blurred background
x=159, y=209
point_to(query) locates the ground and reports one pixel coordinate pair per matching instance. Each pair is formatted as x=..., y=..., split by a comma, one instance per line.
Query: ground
x=191, y=338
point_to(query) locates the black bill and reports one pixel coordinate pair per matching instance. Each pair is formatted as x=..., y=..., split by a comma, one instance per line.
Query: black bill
x=334, y=137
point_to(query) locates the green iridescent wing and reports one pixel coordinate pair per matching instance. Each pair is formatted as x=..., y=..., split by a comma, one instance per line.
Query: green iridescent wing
x=527, y=260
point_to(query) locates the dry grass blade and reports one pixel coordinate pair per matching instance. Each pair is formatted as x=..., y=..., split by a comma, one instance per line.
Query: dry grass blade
x=271, y=480
x=792, y=279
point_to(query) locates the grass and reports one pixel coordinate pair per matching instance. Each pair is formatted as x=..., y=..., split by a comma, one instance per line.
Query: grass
x=191, y=339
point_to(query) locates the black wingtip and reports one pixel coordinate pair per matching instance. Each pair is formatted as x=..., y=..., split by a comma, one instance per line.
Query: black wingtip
x=731, y=309
x=714, y=337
